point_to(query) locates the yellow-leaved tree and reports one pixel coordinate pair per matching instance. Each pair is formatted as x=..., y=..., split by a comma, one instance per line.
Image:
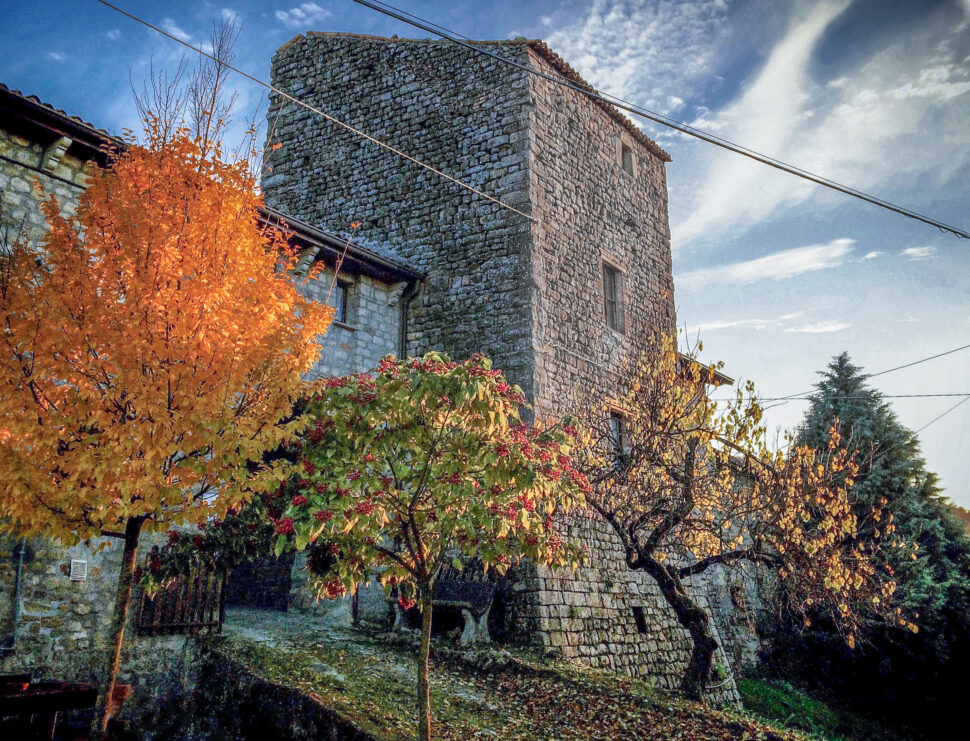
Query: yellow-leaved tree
x=688, y=486
x=152, y=346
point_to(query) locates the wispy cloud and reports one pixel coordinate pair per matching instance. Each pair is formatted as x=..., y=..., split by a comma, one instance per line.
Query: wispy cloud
x=833, y=325
x=170, y=26
x=870, y=256
x=642, y=49
x=776, y=266
x=840, y=128
x=785, y=323
x=114, y=34
x=56, y=56
x=302, y=16
x=919, y=253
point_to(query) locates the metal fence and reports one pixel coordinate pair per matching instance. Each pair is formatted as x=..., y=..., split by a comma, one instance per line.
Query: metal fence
x=192, y=603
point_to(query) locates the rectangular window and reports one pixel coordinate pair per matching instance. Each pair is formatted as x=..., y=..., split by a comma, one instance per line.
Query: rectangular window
x=640, y=619
x=620, y=440
x=613, y=295
x=618, y=432
x=338, y=300
x=626, y=158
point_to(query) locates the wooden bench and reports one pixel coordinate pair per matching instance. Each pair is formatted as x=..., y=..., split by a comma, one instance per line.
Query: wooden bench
x=30, y=709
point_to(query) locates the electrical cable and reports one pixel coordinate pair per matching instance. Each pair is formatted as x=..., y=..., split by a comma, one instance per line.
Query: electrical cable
x=314, y=109
x=589, y=91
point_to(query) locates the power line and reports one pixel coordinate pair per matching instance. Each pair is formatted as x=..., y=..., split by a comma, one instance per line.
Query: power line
x=859, y=396
x=319, y=112
x=917, y=362
x=659, y=118
x=881, y=373
x=941, y=416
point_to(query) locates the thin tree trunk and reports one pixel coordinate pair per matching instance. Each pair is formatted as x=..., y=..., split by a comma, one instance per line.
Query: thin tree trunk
x=424, y=684
x=692, y=617
x=99, y=725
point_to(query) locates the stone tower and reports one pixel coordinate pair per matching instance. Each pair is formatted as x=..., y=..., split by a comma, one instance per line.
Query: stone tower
x=557, y=301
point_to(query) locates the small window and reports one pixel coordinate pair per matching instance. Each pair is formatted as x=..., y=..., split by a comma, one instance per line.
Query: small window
x=338, y=300
x=613, y=295
x=640, y=620
x=626, y=158
x=618, y=432
x=620, y=439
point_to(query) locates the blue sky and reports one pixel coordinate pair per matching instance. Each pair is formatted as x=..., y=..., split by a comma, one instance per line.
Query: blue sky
x=776, y=275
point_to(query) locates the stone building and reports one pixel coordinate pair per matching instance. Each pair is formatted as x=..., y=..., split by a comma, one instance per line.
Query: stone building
x=559, y=292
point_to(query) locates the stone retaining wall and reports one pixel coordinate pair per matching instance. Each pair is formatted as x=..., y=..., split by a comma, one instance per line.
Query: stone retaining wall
x=588, y=615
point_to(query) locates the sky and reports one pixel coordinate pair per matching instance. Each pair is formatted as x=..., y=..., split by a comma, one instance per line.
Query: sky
x=774, y=275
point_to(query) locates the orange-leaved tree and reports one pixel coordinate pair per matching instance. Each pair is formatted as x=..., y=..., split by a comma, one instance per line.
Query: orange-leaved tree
x=687, y=487
x=152, y=346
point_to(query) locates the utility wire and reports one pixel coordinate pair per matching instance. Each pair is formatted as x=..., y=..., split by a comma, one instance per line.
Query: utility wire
x=880, y=373
x=859, y=396
x=659, y=118
x=941, y=416
x=314, y=109
x=917, y=362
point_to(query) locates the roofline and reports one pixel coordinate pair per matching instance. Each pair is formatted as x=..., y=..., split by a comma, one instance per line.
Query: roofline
x=720, y=378
x=99, y=144
x=538, y=46
x=357, y=258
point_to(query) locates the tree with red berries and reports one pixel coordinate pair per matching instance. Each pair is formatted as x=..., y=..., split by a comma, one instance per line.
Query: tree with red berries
x=420, y=464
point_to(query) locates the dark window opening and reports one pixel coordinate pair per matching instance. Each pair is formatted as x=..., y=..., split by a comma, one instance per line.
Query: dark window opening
x=619, y=439
x=626, y=158
x=338, y=300
x=613, y=295
x=640, y=620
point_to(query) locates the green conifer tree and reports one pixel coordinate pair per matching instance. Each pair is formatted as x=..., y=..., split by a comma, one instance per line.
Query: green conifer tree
x=911, y=677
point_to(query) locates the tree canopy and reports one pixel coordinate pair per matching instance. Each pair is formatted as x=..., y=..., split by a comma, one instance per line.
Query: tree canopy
x=422, y=463
x=914, y=678
x=687, y=486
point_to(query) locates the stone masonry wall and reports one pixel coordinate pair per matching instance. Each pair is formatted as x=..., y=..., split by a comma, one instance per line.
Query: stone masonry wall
x=592, y=211
x=371, y=329
x=465, y=116
x=588, y=615
x=61, y=175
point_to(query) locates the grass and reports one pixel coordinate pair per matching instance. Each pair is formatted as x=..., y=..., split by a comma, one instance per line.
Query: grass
x=485, y=696
x=781, y=704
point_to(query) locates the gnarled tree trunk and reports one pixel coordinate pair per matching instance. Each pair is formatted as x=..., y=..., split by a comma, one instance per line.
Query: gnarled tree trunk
x=102, y=708
x=692, y=617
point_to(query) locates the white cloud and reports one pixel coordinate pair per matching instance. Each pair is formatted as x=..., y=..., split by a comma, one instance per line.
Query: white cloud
x=833, y=325
x=934, y=82
x=302, y=16
x=642, y=50
x=776, y=266
x=228, y=14
x=766, y=117
x=870, y=255
x=908, y=98
x=56, y=56
x=783, y=324
x=114, y=34
x=170, y=26
x=919, y=253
